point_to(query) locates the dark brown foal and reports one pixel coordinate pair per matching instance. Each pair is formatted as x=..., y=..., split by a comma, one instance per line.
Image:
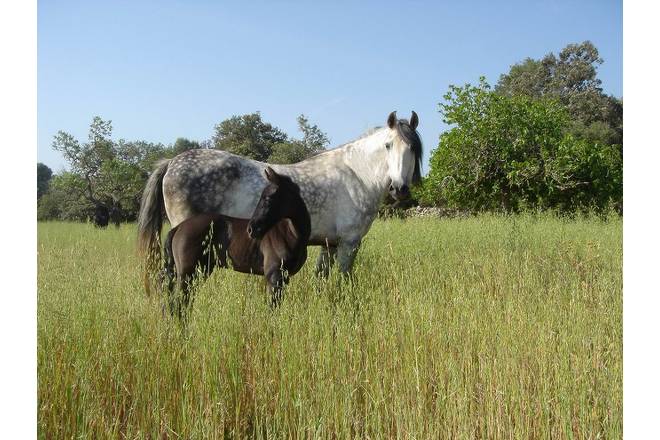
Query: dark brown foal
x=272, y=243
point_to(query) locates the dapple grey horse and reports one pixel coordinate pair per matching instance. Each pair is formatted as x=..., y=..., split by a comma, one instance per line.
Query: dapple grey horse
x=342, y=189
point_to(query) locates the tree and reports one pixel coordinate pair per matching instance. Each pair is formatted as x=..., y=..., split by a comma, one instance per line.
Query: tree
x=288, y=152
x=514, y=152
x=44, y=174
x=313, y=141
x=65, y=199
x=571, y=79
x=106, y=177
x=182, y=145
x=108, y=174
x=248, y=136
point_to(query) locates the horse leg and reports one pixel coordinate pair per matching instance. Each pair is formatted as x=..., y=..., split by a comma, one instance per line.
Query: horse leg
x=169, y=266
x=168, y=272
x=346, y=253
x=276, y=280
x=325, y=261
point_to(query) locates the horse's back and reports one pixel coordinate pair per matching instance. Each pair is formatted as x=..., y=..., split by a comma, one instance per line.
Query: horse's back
x=204, y=180
x=211, y=181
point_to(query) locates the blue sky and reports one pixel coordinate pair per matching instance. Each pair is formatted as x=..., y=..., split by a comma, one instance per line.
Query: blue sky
x=166, y=69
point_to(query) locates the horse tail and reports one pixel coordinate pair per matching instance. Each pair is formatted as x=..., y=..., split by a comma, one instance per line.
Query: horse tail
x=150, y=222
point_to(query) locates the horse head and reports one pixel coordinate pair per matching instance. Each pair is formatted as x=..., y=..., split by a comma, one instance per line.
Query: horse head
x=404, y=155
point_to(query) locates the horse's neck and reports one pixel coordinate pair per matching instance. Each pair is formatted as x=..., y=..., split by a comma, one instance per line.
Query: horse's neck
x=367, y=158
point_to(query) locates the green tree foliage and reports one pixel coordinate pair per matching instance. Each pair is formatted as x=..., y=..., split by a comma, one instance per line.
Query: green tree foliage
x=44, y=174
x=313, y=141
x=102, y=173
x=247, y=135
x=510, y=152
x=112, y=174
x=288, y=152
x=181, y=145
x=571, y=79
x=65, y=199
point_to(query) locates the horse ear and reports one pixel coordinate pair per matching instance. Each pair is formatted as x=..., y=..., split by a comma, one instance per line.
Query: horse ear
x=414, y=120
x=272, y=176
x=391, y=119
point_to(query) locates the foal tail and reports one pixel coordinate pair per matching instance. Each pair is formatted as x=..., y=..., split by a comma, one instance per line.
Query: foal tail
x=150, y=222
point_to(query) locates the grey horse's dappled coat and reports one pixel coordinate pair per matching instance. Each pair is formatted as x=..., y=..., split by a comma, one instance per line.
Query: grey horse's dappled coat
x=342, y=188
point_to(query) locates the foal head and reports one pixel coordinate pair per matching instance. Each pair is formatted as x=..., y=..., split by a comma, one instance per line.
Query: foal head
x=404, y=155
x=280, y=199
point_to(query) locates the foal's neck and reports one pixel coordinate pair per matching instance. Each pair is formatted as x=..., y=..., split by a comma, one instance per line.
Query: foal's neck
x=303, y=223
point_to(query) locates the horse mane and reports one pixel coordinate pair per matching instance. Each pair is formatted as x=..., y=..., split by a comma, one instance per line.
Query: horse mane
x=411, y=137
x=403, y=129
x=367, y=133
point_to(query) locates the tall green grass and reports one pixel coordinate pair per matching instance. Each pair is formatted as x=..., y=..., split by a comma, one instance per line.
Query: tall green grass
x=486, y=327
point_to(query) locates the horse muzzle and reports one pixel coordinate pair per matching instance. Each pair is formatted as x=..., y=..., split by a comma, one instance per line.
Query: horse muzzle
x=399, y=193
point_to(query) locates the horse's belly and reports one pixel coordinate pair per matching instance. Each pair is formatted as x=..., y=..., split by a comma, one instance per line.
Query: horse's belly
x=323, y=240
x=248, y=270
x=246, y=260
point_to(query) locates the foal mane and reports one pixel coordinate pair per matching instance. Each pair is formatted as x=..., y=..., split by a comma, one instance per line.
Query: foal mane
x=289, y=183
x=303, y=218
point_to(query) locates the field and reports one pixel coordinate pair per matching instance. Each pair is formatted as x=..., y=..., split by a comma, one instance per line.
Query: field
x=485, y=327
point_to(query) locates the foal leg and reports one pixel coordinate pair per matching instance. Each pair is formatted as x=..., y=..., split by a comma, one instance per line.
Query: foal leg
x=325, y=261
x=188, y=254
x=277, y=279
x=199, y=261
x=182, y=302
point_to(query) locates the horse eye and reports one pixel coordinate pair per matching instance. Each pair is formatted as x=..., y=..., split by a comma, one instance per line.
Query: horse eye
x=388, y=145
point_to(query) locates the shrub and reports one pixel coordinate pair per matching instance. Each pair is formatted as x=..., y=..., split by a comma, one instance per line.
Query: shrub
x=513, y=153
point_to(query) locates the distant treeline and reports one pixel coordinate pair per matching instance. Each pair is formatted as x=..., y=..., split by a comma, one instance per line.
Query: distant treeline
x=545, y=137
x=105, y=178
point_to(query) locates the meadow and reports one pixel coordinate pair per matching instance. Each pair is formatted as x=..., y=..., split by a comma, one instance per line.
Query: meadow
x=482, y=327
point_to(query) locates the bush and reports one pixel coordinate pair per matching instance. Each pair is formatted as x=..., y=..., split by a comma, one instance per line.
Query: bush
x=514, y=153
